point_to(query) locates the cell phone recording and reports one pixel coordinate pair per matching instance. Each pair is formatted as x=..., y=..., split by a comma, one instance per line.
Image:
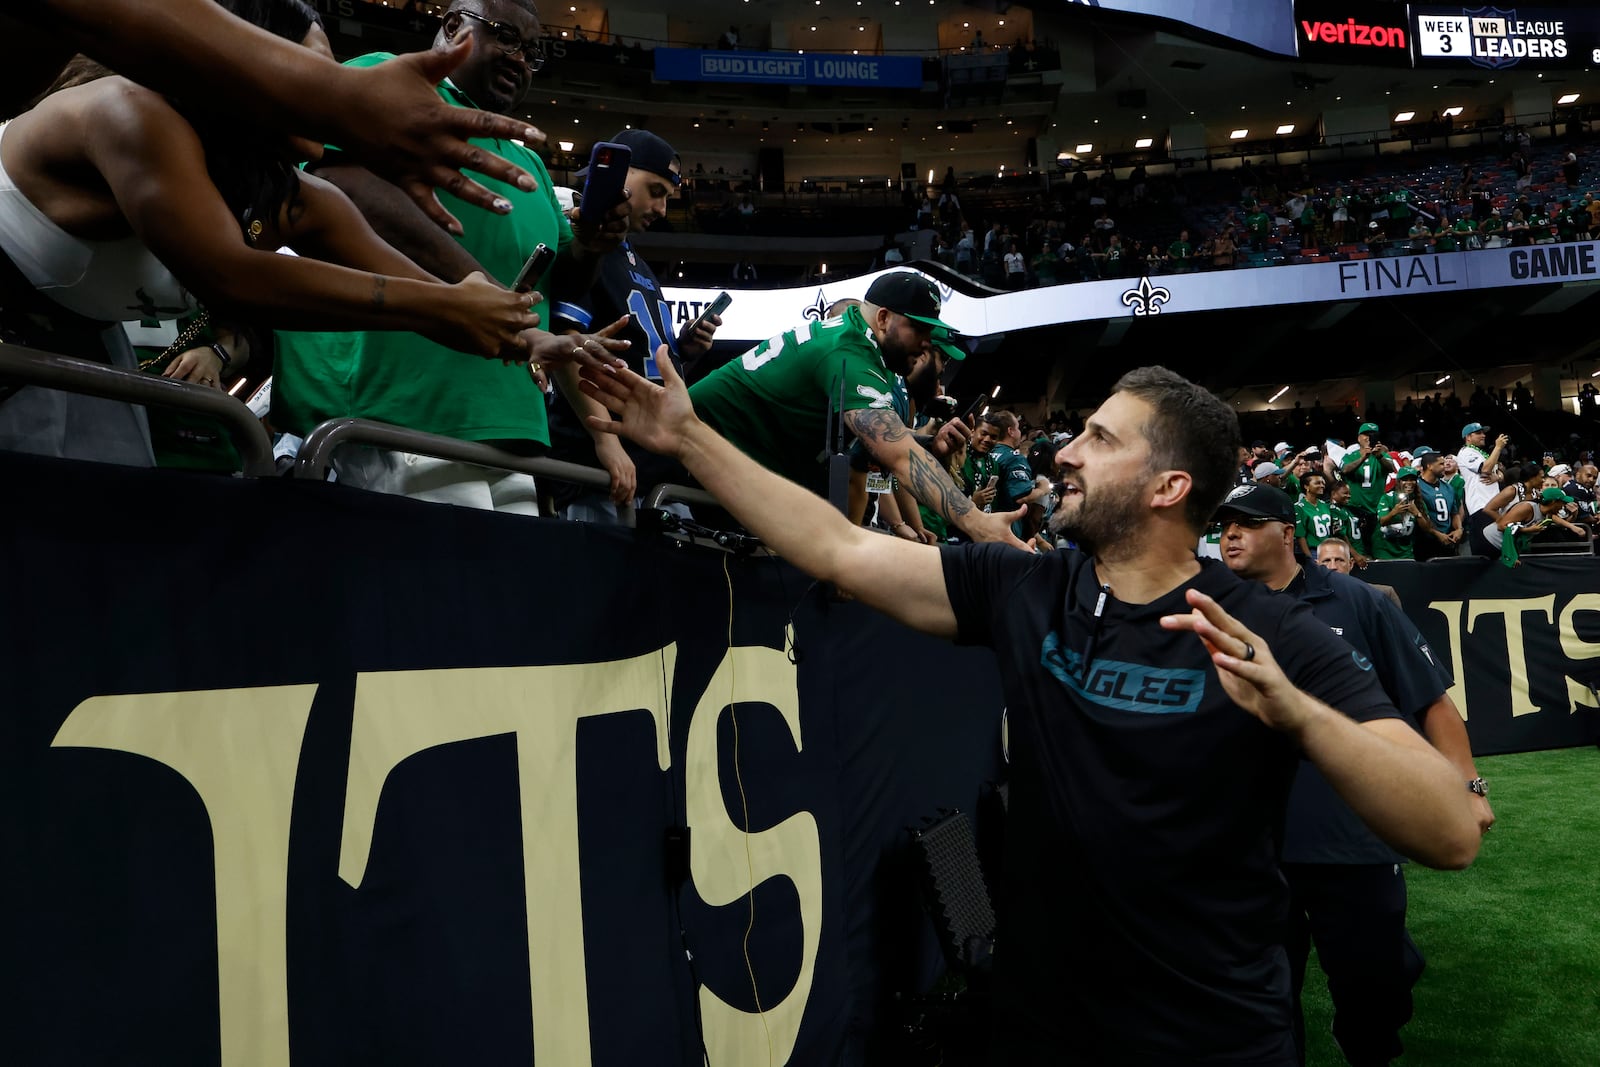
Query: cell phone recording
x=716, y=307
x=608, y=174
x=533, y=269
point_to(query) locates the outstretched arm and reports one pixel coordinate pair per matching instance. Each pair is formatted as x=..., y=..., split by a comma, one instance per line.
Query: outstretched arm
x=892, y=445
x=388, y=116
x=901, y=579
x=1400, y=786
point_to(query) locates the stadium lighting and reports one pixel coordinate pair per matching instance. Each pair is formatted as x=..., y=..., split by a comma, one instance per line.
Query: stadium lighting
x=1276, y=395
x=995, y=395
x=1085, y=148
x=1405, y=116
x=1441, y=381
x=1239, y=135
x=1452, y=112
x=1286, y=128
x=565, y=146
x=1144, y=142
x=1567, y=98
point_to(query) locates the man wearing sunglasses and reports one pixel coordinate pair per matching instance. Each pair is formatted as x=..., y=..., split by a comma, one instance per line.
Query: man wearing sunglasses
x=406, y=380
x=1347, y=888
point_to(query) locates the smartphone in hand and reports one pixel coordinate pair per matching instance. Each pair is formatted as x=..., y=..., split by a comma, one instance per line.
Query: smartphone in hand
x=716, y=307
x=533, y=269
x=606, y=178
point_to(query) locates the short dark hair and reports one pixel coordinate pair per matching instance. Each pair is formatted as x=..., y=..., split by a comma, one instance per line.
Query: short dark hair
x=1189, y=429
x=1003, y=419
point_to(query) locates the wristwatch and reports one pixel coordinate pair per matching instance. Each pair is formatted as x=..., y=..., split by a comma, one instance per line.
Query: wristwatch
x=1479, y=786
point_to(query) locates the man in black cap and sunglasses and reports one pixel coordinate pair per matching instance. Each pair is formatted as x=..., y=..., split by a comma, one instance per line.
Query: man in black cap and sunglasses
x=1347, y=889
x=779, y=401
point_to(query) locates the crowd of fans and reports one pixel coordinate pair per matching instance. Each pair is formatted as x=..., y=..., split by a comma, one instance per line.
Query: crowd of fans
x=1087, y=227
x=451, y=303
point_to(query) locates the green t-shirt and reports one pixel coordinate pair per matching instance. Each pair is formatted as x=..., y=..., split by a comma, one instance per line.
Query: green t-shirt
x=1399, y=203
x=406, y=379
x=1393, y=540
x=1445, y=242
x=1259, y=223
x=773, y=402
x=1345, y=524
x=1180, y=250
x=1464, y=225
x=1366, y=483
x=1314, y=522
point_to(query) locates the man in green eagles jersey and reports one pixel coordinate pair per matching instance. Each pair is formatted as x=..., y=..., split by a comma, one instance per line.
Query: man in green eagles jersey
x=1366, y=467
x=776, y=402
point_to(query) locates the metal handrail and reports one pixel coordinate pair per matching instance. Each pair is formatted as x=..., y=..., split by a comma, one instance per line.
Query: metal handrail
x=667, y=493
x=316, y=454
x=73, y=375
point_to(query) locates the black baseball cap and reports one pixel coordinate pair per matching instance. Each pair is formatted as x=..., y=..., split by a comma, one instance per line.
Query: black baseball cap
x=909, y=294
x=650, y=153
x=1257, y=502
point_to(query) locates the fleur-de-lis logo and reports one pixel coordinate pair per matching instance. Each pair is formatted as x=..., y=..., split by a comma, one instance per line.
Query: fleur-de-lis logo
x=818, y=308
x=1147, y=299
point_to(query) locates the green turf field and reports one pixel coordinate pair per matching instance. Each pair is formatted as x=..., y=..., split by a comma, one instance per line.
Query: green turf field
x=1513, y=942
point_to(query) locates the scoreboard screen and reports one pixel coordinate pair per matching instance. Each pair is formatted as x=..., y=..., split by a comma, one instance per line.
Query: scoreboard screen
x=1499, y=38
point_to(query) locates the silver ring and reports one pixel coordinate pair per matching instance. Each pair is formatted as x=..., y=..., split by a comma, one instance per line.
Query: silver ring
x=1249, y=652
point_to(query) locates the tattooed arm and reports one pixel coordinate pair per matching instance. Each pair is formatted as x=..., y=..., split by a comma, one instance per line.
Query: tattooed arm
x=892, y=445
x=903, y=580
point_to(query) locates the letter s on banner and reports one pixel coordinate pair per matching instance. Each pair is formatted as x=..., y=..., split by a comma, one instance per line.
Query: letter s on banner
x=727, y=863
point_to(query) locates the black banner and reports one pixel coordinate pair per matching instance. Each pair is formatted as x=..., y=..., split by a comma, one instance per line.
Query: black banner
x=1523, y=644
x=298, y=773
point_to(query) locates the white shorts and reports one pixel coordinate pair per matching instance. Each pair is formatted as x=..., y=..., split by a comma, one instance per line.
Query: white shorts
x=440, y=481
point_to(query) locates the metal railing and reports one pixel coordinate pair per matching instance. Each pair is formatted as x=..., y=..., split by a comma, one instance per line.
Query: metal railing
x=50, y=370
x=315, y=458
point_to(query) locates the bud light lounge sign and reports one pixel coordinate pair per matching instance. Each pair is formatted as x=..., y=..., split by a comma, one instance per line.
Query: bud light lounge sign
x=787, y=68
x=1370, y=34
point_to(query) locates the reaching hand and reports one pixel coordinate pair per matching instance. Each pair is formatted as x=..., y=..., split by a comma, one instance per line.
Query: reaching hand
x=996, y=526
x=486, y=319
x=951, y=436
x=391, y=118
x=614, y=458
x=657, y=417
x=602, y=233
x=595, y=349
x=698, y=343
x=198, y=365
x=1249, y=674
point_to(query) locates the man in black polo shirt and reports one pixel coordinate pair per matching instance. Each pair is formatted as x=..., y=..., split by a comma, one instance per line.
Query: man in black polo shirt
x=1153, y=731
x=625, y=285
x=1347, y=888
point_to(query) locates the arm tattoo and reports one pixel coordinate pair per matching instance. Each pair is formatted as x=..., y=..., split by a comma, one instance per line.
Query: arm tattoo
x=379, y=282
x=933, y=487
x=876, y=426
x=927, y=480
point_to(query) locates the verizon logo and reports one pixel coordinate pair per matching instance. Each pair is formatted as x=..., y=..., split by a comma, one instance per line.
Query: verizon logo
x=1352, y=32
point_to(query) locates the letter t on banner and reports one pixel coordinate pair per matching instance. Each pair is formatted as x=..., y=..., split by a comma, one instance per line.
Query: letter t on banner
x=401, y=713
